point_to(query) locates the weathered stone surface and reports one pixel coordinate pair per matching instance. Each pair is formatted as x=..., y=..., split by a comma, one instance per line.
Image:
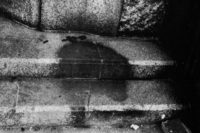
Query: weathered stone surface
x=8, y=94
x=105, y=17
x=25, y=52
x=58, y=129
x=63, y=14
x=140, y=17
x=102, y=16
x=62, y=129
x=152, y=128
x=24, y=11
x=92, y=103
x=175, y=126
x=94, y=16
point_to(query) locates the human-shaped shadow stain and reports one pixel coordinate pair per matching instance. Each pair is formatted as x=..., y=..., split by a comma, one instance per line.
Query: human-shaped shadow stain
x=81, y=94
x=85, y=59
x=80, y=52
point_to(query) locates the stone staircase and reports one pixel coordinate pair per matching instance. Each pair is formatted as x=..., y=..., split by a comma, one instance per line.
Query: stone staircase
x=81, y=82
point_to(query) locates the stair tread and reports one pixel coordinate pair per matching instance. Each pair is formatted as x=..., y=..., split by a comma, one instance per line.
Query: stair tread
x=33, y=101
x=26, y=52
x=60, y=129
x=134, y=128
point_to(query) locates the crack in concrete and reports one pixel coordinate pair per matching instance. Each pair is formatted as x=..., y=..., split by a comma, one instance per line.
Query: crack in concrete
x=88, y=97
x=17, y=97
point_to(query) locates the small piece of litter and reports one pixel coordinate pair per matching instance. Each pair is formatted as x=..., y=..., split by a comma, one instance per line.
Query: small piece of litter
x=135, y=127
x=46, y=41
x=82, y=37
x=64, y=40
x=163, y=116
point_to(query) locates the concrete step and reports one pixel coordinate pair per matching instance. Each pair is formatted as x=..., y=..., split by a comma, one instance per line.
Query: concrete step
x=147, y=128
x=83, y=103
x=54, y=129
x=25, y=52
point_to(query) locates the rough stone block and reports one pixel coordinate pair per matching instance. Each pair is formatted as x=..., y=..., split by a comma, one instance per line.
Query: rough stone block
x=142, y=17
x=24, y=11
x=102, y=16
x=63, y=14
x=81, y=15
x=105, y=17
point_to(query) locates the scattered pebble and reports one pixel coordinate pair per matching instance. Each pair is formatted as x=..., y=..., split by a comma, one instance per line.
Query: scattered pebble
x=74, y=38
x=46, y=41
x=64, y=40
x=163, y=116
x=22, y=129
x=71, y=38
x=135, y=127
x=82, y=37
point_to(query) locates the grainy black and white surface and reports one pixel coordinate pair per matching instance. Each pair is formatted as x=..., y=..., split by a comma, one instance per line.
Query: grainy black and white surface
x=110, y=17
x=142, y=17
x=98, y=66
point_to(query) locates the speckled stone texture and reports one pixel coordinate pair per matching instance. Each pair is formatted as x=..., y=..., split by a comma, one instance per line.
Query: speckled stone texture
x=86, y=103
x=94, y=16
x=62, y=14
x=25, y=52
x=105, y=17
x=142, y=16
x=176, y=126
x=24, y=11
x=62, y=129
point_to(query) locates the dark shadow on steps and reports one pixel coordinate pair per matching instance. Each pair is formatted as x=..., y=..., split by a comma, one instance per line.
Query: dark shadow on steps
x=79, y=92
x=84, y=59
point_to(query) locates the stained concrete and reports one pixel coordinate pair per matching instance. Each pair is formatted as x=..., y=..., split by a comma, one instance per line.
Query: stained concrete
x=26, y=52
x=86, y=103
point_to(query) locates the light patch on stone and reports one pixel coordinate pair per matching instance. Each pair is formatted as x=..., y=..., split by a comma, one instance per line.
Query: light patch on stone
x=140, y=107
x=163, y=116
x=42, y=108
x=135, y=127
x=43, y=66
x=152, y=63
x=67, y=108
x=57, y=60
